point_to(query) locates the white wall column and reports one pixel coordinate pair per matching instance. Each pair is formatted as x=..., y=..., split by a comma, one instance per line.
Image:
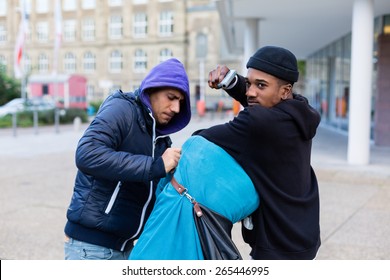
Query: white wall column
x=251, y=41
x=361, y=82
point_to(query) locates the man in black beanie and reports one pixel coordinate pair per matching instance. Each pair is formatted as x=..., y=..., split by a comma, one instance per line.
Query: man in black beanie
x=271, y=139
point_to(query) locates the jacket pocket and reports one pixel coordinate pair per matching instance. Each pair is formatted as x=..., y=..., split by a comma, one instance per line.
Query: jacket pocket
x=113, y=198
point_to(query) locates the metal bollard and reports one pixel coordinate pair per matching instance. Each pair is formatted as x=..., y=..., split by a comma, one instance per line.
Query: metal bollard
x=14, y=124
x=35, y=115
x=76, y=123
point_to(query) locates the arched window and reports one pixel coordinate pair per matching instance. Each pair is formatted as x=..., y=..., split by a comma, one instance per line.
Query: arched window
x=140, y=61
x=70, y=62
x=43, y=63
x=89, y=62
x=116, y=61
x=165, y=54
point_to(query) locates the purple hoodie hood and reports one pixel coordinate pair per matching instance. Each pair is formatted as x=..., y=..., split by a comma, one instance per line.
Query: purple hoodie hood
x=170, y=73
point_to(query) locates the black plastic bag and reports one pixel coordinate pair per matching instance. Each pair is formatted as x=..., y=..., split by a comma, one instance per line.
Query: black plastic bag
x=214, y=232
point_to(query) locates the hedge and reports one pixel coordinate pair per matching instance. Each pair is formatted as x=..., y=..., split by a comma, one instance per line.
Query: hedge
x=26, y=119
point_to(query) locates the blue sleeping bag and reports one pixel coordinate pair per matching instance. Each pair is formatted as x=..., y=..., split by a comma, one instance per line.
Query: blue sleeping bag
x=214, y=179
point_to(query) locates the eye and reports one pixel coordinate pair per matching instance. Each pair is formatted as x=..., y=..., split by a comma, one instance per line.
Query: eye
x=171, y=96
x=260, y=85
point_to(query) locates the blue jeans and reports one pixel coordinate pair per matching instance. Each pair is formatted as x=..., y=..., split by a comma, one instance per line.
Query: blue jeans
x=80, y=250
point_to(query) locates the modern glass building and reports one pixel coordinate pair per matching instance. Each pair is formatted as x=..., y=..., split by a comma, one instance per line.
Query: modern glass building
x=328, y=73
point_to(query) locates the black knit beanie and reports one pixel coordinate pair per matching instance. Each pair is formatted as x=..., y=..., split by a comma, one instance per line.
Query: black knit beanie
x=275, y=61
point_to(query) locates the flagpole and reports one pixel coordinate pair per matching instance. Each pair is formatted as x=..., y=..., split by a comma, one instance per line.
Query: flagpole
x=57, y=42
x=19, y=53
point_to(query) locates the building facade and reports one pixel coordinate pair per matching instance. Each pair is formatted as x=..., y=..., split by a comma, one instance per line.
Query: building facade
x=114, y=43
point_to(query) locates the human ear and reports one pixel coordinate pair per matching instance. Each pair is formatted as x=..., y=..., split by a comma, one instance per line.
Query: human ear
x=286, y=91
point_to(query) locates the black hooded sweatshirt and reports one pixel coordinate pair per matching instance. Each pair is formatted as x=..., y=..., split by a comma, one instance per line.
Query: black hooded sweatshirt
x=273, y=145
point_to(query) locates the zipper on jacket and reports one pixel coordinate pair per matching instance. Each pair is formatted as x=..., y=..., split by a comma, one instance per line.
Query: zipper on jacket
x=150, y=189
x=113, y=198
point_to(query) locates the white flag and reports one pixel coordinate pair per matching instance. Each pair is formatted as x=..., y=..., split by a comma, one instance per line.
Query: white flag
x=19, y=45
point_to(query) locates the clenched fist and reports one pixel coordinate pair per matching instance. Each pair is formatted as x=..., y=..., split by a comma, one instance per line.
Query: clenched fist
x=217, y=75
x=171, y=158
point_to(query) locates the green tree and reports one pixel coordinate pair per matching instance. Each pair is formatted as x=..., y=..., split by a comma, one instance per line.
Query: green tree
x=9, y=87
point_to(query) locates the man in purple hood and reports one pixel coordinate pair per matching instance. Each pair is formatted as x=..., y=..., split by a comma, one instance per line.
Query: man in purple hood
x=120, y=159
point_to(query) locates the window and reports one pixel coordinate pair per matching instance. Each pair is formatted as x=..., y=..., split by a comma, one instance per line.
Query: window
x=3, y=33
x=89, y=62
x=386, y=24
x=42, y=6
x=3, y=7
x=201, y=45
x=42, y=31
x=69, y=30
x=45, y=89
x=89, y=4
x=43, y=63
x=116, y=62
x=165, y=54
x=115, y=3
x=88, y=29
x=166, y=23
x=116, y=27
x=140, y=25
x=90, y=91
x=140, y=61
x=70, y=62
x=69, y=5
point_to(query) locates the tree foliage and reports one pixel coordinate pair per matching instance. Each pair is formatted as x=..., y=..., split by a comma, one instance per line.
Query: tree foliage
x=9, y=87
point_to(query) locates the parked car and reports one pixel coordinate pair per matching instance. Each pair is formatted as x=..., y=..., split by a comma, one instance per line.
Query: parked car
x=21, y=104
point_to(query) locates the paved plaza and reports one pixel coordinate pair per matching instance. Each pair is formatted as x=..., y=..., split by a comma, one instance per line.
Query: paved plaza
x=37, y=172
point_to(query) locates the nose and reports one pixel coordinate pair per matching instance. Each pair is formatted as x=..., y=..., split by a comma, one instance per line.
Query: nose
x=175, y=106
x=250, y=92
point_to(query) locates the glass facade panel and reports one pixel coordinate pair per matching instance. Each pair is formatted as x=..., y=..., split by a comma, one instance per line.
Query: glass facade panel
x=386, y=24
x=328, y=77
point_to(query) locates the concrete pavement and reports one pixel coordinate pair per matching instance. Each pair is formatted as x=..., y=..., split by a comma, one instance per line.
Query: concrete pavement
x=37, y=173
